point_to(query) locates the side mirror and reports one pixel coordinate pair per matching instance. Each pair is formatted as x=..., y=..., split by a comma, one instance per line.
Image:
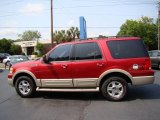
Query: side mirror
x=45, y=59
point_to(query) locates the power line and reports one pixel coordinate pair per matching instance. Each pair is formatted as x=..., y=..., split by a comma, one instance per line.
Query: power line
x=47, y=27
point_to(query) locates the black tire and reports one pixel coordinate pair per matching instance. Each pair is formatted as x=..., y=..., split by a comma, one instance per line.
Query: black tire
x=114, y=88
x=25, y=87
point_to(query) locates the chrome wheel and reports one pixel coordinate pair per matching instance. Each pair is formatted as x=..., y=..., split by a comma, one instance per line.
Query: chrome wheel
x=24, y=87
x=115, y=89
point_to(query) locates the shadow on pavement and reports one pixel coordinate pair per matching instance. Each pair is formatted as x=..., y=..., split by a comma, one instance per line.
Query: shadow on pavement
x=1, y=70
x=137, y=92
x=144, y=92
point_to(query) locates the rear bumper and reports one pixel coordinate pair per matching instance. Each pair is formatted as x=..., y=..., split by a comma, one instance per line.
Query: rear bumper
x=143, y=80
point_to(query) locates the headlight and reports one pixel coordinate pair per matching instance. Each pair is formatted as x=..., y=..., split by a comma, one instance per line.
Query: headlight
x=11, y=70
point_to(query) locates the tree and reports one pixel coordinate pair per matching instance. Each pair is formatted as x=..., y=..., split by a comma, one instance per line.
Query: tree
x=5, y=45
x=145, y=28
x=30, y=35
x=74, y=32
x=66, y=35
x=40, y=48
x=16, y=49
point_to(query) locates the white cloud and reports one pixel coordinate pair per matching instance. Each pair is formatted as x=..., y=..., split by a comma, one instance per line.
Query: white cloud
x=10, y=23
x=8, y=33
x=33, y=9
x=96, y=34
x=71, y=23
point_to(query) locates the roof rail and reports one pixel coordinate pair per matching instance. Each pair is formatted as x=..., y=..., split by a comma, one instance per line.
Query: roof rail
x=102, y=37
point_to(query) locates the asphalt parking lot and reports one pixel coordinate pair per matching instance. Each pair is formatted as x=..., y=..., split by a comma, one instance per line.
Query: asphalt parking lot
x=142, y=103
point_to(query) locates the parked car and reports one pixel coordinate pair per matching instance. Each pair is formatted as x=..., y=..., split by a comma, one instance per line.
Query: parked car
x=3, y=56
x=15, y=58
x=107, y=65
x=155, y=58
x=11, y=60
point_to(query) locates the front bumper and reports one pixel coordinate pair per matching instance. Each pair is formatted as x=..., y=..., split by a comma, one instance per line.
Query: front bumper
x=143, y=80
x=10, y=81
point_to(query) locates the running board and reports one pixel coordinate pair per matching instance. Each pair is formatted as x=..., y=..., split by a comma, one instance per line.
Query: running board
x=68, y=90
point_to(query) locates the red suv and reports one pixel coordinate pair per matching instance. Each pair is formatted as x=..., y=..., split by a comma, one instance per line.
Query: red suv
x=107, y=65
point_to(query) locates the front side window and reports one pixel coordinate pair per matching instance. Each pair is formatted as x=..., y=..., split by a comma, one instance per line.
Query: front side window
x=61, y=53
x=85, y=51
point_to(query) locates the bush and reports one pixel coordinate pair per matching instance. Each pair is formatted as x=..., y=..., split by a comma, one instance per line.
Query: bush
x=34, y=53
x=16, y=49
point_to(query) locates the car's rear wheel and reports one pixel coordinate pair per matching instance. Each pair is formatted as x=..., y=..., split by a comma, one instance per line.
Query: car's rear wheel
x=25, y=86
x=114, y=88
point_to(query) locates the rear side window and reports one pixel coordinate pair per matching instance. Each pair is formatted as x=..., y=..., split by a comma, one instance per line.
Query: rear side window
x=127, y=49
x=154, y=54
x=85, y=51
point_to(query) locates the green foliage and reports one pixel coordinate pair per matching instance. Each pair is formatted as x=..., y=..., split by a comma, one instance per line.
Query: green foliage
x=66, y=35
x=16, y=49
x=5, y=45
x=34, y=53
x=40, y=47
x=145, y=28
x=30, y=35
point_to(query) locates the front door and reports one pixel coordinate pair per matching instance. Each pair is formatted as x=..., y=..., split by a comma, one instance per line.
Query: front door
x=58, y=72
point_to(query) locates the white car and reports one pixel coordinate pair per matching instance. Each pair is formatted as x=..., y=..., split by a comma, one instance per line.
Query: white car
x=14, y=58
x=6, y=59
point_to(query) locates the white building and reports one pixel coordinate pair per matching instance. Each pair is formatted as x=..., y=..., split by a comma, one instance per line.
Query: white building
x=28, y=47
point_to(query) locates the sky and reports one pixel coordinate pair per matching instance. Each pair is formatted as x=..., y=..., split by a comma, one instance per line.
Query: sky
x=103, y=17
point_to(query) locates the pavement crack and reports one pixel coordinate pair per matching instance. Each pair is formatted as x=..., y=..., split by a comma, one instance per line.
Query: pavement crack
x=6, y=100
x=82, y=114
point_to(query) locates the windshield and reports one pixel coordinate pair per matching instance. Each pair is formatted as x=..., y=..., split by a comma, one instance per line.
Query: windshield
x=18, y=58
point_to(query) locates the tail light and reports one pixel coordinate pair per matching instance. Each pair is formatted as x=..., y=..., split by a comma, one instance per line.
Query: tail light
x=147, y=64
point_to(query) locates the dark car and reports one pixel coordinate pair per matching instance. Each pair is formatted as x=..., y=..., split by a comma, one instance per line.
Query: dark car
x=155, y=58
x=3, y=56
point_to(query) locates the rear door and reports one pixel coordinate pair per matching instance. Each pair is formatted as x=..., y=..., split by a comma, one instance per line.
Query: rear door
x=87, y=63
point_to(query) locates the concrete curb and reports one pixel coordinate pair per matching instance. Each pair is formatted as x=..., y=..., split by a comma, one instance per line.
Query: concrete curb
x=4, y=68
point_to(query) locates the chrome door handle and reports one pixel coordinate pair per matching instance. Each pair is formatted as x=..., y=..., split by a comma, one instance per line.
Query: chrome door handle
x=100, y=64
x=64, y=66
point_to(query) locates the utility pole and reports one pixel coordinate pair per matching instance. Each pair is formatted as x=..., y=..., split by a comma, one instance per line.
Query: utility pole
x=52, y=23
x=158, y=25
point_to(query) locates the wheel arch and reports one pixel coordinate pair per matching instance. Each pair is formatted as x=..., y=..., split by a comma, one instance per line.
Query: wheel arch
x=28, y=74
x=115, y=72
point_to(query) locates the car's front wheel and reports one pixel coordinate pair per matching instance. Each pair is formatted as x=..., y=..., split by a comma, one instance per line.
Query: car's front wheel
x=114, y=88
x=25, y=86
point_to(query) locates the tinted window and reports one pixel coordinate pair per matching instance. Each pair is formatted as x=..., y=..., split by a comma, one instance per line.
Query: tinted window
x=61, y=53
x=150, y=53
x=87, y=51
x=154, y=54
x=127, y=49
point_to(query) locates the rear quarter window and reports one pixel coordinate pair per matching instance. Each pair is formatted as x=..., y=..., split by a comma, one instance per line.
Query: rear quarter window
x=122, y=49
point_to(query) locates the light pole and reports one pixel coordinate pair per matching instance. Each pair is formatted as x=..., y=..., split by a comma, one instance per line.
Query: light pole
x=52, y=23
x=158, y=25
